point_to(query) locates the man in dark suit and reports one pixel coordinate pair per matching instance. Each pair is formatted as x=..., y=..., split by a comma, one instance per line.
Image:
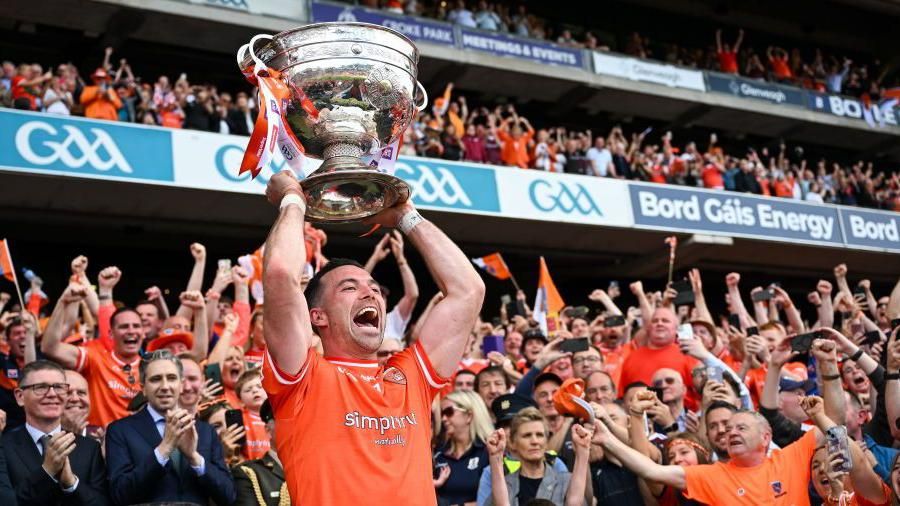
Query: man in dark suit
x=161, y=453
x=260, y=482
x=47, y=465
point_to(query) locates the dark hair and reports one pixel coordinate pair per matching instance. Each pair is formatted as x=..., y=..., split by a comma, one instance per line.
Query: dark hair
x=39, y=365
x=121, y=310
x=159, y=355
x=465, y=371
x=721, y=405
x=147, y=302
x=208, y=411
x=16, y=322
x=634, y=384
x=313, y=289
x=494, y=369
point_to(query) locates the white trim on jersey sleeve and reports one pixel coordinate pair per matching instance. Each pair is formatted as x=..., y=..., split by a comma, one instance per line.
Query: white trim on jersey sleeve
x=281, y=379
x=425, y=369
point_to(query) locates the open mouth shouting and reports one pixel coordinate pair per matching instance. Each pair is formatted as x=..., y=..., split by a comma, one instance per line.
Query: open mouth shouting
x=367, y=318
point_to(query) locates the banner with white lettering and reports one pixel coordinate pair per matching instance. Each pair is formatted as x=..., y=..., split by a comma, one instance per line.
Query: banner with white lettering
x=871, y=229
x=881, y=115
x=753, y=89
x=417, y=29
x=634, y=69
x=507, y=45
x=734, y=214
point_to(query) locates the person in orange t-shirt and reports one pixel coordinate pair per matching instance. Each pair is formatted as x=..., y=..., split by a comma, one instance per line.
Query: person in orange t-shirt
x=374, y=421
x=661, y=352
x=515, y=141
x=100, y=100
x=112, y=375
x=780, y=62
x=250, y=390
x=728, y=55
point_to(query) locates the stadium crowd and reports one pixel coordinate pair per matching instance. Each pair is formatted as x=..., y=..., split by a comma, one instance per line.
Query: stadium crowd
x=823, y=72
x=454, y=130
x=106, y=400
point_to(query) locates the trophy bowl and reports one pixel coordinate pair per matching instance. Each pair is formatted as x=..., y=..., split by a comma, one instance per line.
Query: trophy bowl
x=354, y=90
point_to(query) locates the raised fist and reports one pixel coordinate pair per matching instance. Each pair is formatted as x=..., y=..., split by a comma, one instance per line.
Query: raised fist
x=198, y=251
x=109, y=277
x=732, y=279
x=840, y=271
x=240, y=275
x=192, y=299
x=79, y=265
x=281, y=184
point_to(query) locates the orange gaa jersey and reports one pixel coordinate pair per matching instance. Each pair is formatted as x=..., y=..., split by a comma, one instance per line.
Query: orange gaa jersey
x=351, y=432
x=113, y=383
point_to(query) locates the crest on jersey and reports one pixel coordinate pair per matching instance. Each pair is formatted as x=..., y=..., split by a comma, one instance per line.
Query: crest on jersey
x=394, y=375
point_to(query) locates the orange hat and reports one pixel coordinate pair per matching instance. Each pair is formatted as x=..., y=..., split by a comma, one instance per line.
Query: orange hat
x=100, y=74
x=569, y=400
x=169, y=336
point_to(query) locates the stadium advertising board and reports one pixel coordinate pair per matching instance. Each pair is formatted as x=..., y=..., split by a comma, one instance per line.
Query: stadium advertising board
x=73, y=147
x=507, y=45
x=67, y=145
x=417, y=29
x=757, y=90
x=634, y=69
x=871, y=229
x=287, y=9
x=734, y=214
x=882, y=115
x=210, y=161
x=537, y=195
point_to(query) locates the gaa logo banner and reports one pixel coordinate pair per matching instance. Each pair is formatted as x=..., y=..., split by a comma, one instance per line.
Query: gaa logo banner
x=85, y=147
x=449, y=185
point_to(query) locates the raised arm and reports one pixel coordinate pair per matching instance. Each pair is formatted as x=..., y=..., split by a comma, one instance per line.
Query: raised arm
x=737, y=303
x=640, y=464
x=576, y=495
x=637, y=288
x=719, y=40
x=410, y=287
x=445, y=332
x=737, y=43
x=840, y=276
x=825, y=308
x=193, y=300
x=66, y=309
x=195, y=282
x=892, y=384
x=825, y=353
x=79, y=273
x=381, y=251
x=871, y=301
x=599, y=295
x=699, y=300
x=288, y=332
x=893, y=309
x=790, y=310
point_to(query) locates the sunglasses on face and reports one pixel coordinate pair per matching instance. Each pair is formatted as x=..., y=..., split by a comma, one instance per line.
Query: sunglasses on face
x=449, y=410
x=666, y=381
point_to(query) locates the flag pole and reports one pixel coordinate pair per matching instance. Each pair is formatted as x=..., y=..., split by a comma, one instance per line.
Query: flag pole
x=672, y=242
x=15, y=277
x=511, y=276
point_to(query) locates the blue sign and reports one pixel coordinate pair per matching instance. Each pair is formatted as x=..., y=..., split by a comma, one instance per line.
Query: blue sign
x=85, y=147
x=507, y=45
x=737, y=214
x=450, y=185
x=757, y=90
x=417, y=29
x=870, y=228
x=883, y=114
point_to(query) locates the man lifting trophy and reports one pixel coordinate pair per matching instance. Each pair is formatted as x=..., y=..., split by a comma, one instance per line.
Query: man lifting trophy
x=348, y=430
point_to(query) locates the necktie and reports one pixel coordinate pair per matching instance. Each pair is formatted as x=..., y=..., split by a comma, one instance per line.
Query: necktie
x=43, y=441
x=175, y=456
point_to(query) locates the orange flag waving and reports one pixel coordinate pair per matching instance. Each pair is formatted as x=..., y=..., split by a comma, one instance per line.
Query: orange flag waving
x=494, y=265
x=6, y=265
x=548, y=302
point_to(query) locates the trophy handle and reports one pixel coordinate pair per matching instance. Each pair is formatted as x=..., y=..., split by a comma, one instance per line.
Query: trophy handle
x=421, y=107
x=249, y=48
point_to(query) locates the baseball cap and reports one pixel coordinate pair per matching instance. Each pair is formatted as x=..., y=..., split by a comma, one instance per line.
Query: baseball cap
x=169, y=336
x=533, y=335
x=547, y=376
x=786, y=384
x=506, y=406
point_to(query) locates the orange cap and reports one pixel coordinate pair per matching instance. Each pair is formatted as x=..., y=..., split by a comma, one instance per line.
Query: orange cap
x=569, y=400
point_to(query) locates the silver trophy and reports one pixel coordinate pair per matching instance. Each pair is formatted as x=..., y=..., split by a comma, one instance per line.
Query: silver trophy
x=354, y=90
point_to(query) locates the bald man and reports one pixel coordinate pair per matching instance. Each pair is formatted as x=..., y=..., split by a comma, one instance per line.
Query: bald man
x=662, y=351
